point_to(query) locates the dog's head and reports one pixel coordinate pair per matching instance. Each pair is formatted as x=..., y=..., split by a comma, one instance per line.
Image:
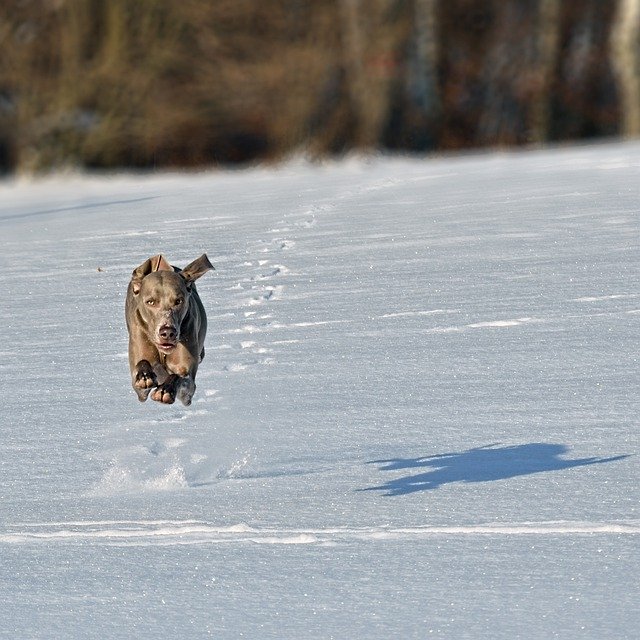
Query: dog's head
x=162, y=295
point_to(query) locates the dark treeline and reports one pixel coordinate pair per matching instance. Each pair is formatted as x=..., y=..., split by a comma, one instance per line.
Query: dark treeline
x=165, y=83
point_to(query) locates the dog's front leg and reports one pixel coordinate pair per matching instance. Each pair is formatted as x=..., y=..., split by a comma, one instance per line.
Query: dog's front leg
x=144, y=379
x=167, y=391
x=175, y=387
x=143, y=363
x=182, y=366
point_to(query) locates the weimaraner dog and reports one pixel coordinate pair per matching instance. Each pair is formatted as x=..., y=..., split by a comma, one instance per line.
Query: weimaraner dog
x=167, y=325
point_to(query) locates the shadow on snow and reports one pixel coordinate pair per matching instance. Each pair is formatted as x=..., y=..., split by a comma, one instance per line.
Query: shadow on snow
x=483, y=464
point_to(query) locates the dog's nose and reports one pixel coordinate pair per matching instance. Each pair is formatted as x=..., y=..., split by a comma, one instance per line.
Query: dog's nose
x=167, y=332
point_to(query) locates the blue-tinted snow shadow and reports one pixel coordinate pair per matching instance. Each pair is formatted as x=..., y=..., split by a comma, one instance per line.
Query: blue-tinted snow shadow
x=74, y=207
x=483, y=464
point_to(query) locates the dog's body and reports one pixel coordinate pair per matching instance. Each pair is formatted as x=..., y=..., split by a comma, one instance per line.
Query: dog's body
x=167, y=325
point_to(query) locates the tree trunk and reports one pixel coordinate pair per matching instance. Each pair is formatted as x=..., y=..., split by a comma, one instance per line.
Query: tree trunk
x=624, y=50
x=548, y=36
x=369, y=60
x=424, y=80
x=353, y=62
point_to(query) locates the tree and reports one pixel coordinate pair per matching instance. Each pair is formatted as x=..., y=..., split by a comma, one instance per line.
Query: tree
x=548, y=36
x=624, y=50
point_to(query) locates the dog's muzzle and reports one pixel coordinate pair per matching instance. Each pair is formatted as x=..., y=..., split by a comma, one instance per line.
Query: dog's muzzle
x=167, y=338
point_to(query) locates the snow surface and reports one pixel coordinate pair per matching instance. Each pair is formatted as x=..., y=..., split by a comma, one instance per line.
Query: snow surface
x=417, y=416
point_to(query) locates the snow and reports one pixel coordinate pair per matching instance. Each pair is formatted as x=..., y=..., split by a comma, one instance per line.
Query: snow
x=417, y=415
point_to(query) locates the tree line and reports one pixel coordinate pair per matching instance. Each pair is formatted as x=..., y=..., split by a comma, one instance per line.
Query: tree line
x=159, y=83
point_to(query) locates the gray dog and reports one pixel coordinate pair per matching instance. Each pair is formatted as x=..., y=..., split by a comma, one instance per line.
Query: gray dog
x=167, y=325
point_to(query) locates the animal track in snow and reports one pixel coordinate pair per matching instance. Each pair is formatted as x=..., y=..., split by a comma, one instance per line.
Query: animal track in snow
x=615, y=296
x=272, y=292
x=235, y=367
x=174, y=417
x=501, y=323
x=159, y=447
x=147, y=469
x=254, y=347
x=307, y=224
x=278, y=269
x=491, y=324
x=255, y=290
x=402, y=314
x=276, y=243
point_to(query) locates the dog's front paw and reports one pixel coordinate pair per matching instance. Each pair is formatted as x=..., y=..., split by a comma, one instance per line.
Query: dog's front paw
x=144, y=380
x=145, y=376
x=166, y=392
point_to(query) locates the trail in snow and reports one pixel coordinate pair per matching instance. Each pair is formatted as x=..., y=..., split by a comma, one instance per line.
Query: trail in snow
x=162, y=466
x=202, y=533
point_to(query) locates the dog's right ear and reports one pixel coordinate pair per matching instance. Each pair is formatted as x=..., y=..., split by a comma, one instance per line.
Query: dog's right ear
x=156, y=263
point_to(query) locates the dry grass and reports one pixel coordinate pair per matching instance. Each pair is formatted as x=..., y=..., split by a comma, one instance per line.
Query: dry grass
x=146, y=83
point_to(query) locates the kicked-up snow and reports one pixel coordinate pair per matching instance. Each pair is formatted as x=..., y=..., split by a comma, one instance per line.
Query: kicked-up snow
x=417, y=415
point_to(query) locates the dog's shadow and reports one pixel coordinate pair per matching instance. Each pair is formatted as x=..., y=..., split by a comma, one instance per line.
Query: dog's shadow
x=483, y=464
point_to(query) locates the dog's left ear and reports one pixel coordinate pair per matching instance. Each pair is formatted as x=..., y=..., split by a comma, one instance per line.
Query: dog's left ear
x=197, y=268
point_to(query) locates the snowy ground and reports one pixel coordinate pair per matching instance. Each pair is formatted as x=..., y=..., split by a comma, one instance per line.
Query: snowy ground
x=417, y=417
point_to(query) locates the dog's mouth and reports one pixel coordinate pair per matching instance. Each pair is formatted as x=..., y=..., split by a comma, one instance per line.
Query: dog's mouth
x=166, y=347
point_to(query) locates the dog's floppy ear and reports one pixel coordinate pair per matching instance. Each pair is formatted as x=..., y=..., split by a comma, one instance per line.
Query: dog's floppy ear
x=156, y=263
x=197, y=268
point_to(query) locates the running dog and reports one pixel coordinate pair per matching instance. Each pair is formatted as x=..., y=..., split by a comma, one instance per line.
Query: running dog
x=167, y=325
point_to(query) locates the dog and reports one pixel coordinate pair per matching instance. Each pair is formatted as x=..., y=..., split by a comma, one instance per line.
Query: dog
x=167, y=324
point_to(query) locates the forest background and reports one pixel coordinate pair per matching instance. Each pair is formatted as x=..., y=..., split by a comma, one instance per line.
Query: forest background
x=107, y=84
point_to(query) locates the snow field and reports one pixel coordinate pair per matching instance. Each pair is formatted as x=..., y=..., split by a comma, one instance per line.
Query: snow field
x=416, y=417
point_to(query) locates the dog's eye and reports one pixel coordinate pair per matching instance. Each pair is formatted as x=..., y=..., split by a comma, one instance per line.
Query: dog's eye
x=150, y=302
x=178, y=302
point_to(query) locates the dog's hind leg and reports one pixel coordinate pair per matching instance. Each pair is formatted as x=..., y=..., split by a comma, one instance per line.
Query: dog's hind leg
x=186, y=389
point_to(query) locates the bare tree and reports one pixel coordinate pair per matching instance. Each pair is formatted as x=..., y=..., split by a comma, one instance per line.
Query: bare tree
x=625, y=40
x=426, y=53
x=548, y=36
x=369, y=42
x=351, y=16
